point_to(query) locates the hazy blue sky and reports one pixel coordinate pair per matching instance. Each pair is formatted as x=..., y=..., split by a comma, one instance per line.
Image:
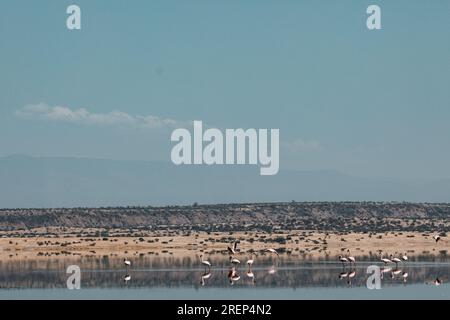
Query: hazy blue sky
x=367, y=103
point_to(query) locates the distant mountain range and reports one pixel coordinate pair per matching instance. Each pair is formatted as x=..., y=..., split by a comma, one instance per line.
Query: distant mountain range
x=31, y=182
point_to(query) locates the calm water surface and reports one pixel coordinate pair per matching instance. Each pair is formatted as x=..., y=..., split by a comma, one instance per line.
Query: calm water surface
x=183, y=278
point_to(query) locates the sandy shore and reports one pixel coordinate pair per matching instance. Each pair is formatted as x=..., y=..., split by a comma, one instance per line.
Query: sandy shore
x=301, y=243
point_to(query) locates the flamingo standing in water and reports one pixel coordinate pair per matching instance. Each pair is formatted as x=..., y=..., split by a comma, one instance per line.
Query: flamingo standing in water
x=273, y=251
x=127, y=263
x=206, y=263
x=250, y=273
x=344, y=260
x=385, y=260
x=234, y=261
x=395, y=260
x=350, y=258
x=250, y=261
x=405, y=258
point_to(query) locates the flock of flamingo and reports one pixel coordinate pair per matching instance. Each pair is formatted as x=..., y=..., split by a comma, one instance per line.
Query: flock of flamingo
x=351, y=261
x=233, y=274
x=347, y=260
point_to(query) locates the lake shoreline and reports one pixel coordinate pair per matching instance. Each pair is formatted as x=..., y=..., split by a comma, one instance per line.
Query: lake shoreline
x=308, y=244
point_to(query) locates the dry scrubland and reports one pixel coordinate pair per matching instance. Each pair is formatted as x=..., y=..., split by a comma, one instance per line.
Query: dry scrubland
x=303, y=229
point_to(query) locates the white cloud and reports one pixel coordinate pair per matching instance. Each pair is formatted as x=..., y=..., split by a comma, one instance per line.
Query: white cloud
x=64, y=114
x=300, y=145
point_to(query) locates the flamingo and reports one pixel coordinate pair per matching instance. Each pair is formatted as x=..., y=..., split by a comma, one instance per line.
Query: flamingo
x=344, y=260
x=232, y=250
x=205, y=263
x=385, y=260
x=127, y=263
x=250, y=261
x=395, y=260
x=350, y=258
x=234, y=261
x=271, y=250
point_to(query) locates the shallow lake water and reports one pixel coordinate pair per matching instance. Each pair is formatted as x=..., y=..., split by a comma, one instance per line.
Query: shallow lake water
x=169, y=277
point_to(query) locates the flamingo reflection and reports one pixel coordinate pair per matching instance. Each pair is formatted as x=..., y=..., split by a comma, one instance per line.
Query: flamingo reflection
x=272, y=270
x=274, y=252
x=233, y=276
x=385, y=270
x=436, y=282
x=205, y=276
x=251, y=275
x=405, y=277
x=351, y=276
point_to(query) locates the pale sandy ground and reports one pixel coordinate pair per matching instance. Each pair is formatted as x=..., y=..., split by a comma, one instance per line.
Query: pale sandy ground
x=311, y=245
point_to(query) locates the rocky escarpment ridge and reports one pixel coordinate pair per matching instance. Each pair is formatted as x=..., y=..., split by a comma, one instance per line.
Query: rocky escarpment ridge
x=340, y=216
